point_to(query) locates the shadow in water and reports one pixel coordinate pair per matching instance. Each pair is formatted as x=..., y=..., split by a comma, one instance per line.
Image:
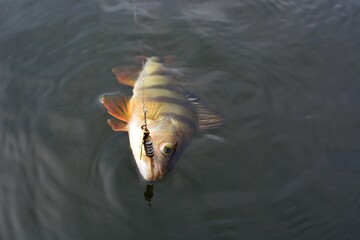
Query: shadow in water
x=149, y=193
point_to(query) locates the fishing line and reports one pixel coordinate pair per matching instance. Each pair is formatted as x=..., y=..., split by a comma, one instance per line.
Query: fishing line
x=147, y=142
x=140, y=43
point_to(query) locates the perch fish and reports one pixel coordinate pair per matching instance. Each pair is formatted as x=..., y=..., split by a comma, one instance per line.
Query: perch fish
x=173, y=115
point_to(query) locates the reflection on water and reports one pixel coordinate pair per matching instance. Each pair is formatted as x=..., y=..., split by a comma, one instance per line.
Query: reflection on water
x=283, y=73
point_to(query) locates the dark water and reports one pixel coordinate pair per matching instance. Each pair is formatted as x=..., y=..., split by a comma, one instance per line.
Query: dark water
x=285, y=75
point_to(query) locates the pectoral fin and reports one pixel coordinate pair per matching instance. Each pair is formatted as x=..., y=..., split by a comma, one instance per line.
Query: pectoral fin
x=117, y=125
x=207, y=119
x=127, y=75
x=117, y=106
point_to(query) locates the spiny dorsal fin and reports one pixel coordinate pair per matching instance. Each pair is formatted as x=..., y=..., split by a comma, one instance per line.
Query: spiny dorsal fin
x=207, y=119
x=117, y=106
x=127, y=75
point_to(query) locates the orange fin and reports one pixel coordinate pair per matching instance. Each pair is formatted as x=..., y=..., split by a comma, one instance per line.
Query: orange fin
x=117, y=125
x=117, y=106
x=127, y=75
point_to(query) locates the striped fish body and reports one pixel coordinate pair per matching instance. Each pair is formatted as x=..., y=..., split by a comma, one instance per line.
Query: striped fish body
x=172, y=117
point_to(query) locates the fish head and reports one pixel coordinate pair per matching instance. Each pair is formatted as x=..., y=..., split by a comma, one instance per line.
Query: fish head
x=168, y=144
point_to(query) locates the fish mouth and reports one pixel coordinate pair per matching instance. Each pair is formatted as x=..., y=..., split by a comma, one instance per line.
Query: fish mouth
x=154, y=170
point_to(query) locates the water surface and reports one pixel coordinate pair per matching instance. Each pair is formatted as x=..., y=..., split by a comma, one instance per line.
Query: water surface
x=284, y=74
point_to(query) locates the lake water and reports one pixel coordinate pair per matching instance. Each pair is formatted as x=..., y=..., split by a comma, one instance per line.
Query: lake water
x=284, y=74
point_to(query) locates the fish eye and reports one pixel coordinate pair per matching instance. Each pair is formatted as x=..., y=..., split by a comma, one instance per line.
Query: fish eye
x=167, y=149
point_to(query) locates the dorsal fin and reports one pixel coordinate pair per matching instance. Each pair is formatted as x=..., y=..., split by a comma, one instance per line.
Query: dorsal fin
x=127, y=75
x=207, y=119
x=117, y=106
